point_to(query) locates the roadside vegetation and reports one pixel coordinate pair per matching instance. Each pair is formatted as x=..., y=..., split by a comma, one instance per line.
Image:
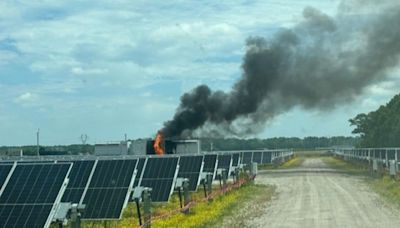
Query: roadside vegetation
x=354, y=168
x=296, y=161
x=388, y=187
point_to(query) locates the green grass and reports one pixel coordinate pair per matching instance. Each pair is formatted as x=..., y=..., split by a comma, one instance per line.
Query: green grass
x=296, y=161
x=293, y=163
x=211, y=214
x=350, y=168
x=387, y=187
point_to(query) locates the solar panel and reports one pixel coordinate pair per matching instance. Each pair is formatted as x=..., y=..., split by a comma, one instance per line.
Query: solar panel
x=109, y=189
x=225, y=162
x=4, y=171
x=266, y=157
x=235, y=159
x=78, y=180
x=190, y=167
x=31, y=194
x=257, y=157
x=247, y=157
x=210, y=164
x=160, y=174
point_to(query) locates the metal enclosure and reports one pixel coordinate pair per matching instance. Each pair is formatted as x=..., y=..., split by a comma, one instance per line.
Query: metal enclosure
x=111, y=149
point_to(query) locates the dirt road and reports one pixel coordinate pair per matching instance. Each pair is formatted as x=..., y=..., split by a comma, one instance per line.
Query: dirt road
x=323, y=199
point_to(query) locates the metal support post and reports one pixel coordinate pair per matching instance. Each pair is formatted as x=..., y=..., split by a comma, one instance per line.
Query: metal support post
x=186, y=195
x=138, y=211
x=76, y=214
x=209, y=180
x=237, y=175
x=224, y=175
x=147, y=207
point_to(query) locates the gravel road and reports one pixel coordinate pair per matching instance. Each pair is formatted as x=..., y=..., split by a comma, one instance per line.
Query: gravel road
x=323, y=199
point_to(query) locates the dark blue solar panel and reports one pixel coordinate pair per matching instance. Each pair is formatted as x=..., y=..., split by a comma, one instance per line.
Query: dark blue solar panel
x=78, y=179
x=159, y=174
x=4, y=171
x=267, y=157
x=235, y=159
x=108, y=190
x=31, y=193
x=257, y=157
x=247, y=156
x=190, y=167
x=225, y=162
x=210, y=162
x=391, y=154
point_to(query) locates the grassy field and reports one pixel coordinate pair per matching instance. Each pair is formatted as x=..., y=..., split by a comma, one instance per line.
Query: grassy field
x=204, y=214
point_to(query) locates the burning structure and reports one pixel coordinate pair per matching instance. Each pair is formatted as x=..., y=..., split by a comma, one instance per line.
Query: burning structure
x=166, y=146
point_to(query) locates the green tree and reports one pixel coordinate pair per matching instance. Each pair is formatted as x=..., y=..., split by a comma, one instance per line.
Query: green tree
x=380, y=128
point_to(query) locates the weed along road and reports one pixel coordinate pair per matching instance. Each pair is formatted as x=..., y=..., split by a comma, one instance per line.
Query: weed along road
x=322, y=199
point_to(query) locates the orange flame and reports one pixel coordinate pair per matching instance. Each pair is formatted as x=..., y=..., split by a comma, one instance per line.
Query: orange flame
x=158, y=143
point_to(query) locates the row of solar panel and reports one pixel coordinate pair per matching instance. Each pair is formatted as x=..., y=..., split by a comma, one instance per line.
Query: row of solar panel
x=371, y=153
x=103, y=185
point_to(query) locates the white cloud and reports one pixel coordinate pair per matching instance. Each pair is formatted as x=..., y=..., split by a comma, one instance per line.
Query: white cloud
x=81, y=71
x=26, y=98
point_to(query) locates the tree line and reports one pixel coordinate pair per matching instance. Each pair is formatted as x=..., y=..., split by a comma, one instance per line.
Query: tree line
x=379, y=128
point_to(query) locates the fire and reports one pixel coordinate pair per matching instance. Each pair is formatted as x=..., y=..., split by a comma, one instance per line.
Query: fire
x=158, y=143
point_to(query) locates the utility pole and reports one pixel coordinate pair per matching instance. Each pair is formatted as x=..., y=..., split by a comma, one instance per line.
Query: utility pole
x=37, y=142
x=126, y=137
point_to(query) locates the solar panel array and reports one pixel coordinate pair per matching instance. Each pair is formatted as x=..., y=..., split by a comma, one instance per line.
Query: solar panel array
x=31, y=193
x=30, y=190
x=160, y=174
x=108, y=190
x=191, y=167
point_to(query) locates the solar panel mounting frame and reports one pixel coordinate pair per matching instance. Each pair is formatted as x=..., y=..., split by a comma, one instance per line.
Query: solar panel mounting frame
x=129, y=193
x=175, y=174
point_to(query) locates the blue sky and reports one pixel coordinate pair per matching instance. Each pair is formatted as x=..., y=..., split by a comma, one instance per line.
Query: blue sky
x=105, y=68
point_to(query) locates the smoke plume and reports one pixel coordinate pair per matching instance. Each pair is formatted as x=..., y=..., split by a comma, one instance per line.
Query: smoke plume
x=319, y=63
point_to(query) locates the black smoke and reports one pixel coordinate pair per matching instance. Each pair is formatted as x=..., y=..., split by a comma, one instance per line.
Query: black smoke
x=320, y=63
